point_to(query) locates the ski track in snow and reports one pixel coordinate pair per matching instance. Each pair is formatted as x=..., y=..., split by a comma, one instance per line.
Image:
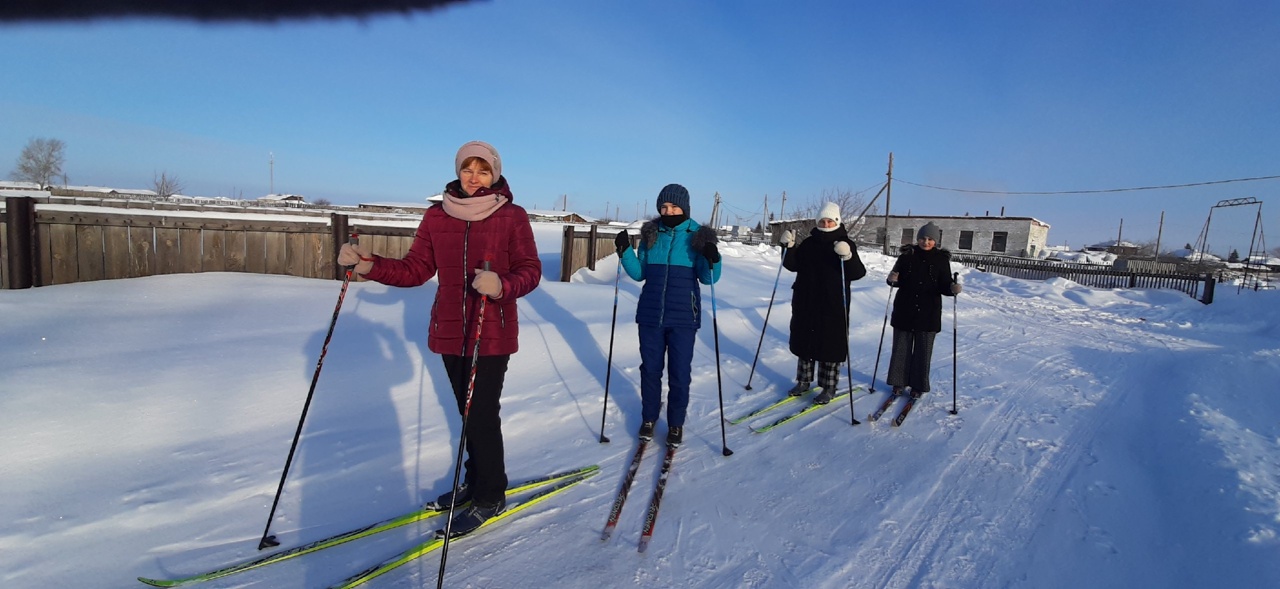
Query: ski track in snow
x=971, y=539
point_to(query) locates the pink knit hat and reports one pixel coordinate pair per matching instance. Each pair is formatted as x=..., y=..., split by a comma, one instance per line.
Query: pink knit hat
x=481, y=150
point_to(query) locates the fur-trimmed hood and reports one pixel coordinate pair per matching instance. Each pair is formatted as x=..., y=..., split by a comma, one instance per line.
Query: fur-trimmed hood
x=701, y=236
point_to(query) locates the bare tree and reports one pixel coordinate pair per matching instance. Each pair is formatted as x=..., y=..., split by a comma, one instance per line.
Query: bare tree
x=850, y=203
x=323, y=202
x=40, y=162
x=167, y=186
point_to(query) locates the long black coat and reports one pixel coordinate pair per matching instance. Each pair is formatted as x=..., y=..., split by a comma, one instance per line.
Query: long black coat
x=924, y=277
x=818, y=302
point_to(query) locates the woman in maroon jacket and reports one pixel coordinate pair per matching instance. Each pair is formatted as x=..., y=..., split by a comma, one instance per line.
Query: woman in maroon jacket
x=479, y=244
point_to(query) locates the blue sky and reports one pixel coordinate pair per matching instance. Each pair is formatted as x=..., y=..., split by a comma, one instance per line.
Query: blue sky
x=608, y=102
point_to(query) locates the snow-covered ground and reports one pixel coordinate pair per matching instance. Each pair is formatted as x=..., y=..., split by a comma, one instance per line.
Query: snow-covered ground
x=1104, y=439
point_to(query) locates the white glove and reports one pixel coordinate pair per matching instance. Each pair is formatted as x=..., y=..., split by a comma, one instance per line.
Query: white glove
x=354, y=254
x=842, y=250
x=788, y=239
x=955, y=288
x=487, y=283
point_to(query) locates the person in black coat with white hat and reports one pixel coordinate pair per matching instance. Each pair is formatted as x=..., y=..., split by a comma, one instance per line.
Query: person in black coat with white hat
x=819, y=302
x=923, y=276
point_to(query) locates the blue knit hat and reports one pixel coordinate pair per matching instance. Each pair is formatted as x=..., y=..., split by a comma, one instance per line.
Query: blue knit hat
x=676, y=195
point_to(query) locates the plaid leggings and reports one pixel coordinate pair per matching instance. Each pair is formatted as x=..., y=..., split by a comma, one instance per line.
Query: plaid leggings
x=828, y=373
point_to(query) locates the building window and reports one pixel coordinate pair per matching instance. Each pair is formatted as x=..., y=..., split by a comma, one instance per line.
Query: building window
x=966, y=240
x=999, y=241
x=908, y=236
x=880, y=235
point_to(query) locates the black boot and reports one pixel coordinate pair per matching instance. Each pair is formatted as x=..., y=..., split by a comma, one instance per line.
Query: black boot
x=471, y=518
x=442, y=502
x=675, y=436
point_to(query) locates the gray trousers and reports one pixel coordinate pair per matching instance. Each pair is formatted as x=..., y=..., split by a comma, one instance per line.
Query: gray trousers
x=912, y=356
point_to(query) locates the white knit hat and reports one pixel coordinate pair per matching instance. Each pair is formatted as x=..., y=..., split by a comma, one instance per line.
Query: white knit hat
x=829, y=211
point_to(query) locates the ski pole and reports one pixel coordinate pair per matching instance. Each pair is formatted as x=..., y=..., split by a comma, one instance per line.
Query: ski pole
x=848, y=352
x=609, y=366
x=880, y=346
x=715, y=330
x=766, y=319
x=462, y=440
x=955, y=277
x=269, y=540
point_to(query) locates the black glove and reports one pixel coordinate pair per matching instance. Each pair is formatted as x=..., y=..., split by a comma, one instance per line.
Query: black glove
x=710, y=252
x=622, y=241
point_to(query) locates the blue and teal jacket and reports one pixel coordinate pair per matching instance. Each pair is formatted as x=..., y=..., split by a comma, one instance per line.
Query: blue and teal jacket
x=669, y=261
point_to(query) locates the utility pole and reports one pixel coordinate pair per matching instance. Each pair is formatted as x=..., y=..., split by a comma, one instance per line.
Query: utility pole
x=888, y=195
x=1159, y=232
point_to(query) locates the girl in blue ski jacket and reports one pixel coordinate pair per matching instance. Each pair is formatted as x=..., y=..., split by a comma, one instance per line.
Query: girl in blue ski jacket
x=675, y=254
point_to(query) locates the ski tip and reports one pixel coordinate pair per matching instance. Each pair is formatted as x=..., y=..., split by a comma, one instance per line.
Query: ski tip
x=155, y=582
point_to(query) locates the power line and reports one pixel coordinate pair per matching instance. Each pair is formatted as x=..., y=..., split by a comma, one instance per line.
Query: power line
x=1087, y=191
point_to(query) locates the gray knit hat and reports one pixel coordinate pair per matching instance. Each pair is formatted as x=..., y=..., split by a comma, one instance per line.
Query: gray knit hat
x=676, y=195
x=931, y=231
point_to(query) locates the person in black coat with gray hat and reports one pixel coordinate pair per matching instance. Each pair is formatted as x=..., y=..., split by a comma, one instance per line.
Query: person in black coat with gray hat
x=819, y=301
x=923, y=276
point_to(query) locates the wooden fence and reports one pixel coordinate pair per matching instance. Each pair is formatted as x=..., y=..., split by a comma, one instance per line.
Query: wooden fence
x=49, y=245
x=1199, y=286
x=582, y=248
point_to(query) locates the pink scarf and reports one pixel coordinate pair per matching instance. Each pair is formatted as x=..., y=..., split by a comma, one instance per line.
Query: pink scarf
x=475, y=208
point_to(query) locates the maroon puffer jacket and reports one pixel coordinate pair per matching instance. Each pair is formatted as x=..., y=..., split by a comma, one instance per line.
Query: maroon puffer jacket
x=452, y=249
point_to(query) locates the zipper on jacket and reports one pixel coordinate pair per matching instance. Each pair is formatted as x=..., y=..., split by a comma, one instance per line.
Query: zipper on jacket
x=466, y=242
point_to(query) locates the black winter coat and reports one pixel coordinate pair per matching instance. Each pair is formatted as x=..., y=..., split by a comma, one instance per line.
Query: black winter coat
x=924, y=277
x=819, y=300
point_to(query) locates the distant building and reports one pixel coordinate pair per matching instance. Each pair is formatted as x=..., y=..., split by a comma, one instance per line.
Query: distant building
x=395, y=207
x=1117, y=247
x=558, y=216
x=103, y=192
x=284, y=200
x=1009, y=236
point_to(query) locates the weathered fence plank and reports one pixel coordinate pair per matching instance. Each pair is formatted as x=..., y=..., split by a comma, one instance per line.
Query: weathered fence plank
x=255, y=252
x=213, y=251
x=61, y=252
x=277, y=253
x=168, y=251
x=142, y=255
x=234, y=247
x=115, y=252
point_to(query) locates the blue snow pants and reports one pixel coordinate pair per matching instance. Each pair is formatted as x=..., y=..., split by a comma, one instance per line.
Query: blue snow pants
x=675, y=346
